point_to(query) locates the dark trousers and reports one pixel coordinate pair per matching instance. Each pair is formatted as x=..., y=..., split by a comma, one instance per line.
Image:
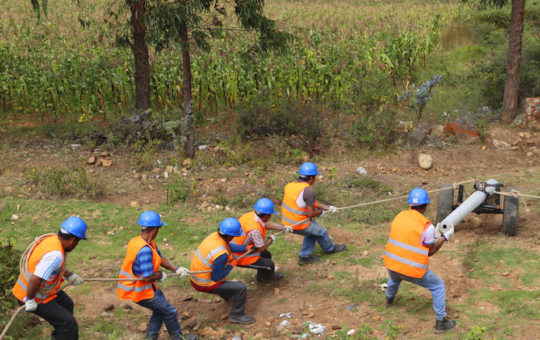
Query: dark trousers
x=59, y=313
x=264, y=265
x=237, y=289
x=162, y=312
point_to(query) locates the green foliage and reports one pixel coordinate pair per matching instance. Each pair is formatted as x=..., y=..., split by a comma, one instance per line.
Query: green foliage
x=179, y=189
x=375, y=130
x=145, y=154
x=284, y=118
x=9, y=272
x=282, y=152
x=237, y=152
x=476, y=333
x=72, y=182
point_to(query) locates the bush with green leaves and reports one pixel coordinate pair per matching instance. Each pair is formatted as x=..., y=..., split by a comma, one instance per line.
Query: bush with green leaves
x=72, y=182
x=9, y=272
x=179, y=189
x=285, y=117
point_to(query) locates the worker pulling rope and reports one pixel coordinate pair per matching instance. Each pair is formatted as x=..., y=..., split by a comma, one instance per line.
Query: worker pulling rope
x=23, y=265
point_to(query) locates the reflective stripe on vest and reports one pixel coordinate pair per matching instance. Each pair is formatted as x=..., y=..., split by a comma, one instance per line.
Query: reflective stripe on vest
x=249, y=222
x=51, y=243
x=298, y=212
x=291, y=213
x=210, y=249
x=137, y=290
x=403, y=253
x=407, y=262
x=408, y=247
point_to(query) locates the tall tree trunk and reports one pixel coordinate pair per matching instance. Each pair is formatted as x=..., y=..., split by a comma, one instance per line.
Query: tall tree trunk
x=140, y=51
x=511, y=86
x=189, y=119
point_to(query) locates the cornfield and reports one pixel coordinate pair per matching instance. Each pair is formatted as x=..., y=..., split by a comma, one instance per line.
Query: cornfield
x=57, y=67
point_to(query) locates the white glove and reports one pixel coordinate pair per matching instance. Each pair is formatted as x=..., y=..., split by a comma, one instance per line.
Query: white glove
x=31, y=305
x=448, y=232
x=163, y=277
x=287, y=229
x=273, y=237
x=322, y=213
x=332, y=209
x=75, y=279
x=182, y=271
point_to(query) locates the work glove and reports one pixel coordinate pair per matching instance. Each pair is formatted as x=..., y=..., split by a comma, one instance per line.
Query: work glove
x=75, y=279
x=31, y=305
x=182, y=271
x=273, y=237
x=287, y=229
x=448, y=232
x=163, y=277
x=332, y=209
x=322, y=213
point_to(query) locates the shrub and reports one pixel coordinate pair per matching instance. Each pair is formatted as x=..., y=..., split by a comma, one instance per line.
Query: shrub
x=238, y=153
x=145, y=157
x=9, y=272
x=285, y=118
x=179, y=189
x=374, y=130
x=282, y=152
x=66, y=183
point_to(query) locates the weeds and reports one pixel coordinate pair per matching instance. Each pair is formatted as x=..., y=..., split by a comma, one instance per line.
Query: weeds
x=145, y=156
x=9, y=272
x=179, y=189
x=65, y=183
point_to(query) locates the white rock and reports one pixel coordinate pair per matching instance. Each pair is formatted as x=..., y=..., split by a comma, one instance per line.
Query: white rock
x=425, y=161
x=501, y=145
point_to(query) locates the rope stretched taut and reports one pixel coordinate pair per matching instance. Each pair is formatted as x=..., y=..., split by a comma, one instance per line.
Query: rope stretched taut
x=516, y=194
x=454, y=187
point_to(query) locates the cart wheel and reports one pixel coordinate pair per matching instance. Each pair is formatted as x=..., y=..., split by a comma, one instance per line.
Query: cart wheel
x=445, y=202
x=510, y=214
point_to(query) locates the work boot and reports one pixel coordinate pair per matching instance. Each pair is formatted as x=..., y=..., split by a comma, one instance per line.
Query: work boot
x=444, y=325
x=151, y=337
x=244, y=319
x=338, y=249
x=272, y=278
x=388, y=302
x=307, y=260
x=186, y=337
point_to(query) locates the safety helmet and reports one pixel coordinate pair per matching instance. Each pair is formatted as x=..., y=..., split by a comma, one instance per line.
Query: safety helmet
x=265, y=206
x=308, y=169
x=150, y=219
x=231, y=227
x=75, y=226
x=418, y=196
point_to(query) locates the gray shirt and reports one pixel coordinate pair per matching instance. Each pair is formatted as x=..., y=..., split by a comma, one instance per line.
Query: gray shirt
x=309, y=194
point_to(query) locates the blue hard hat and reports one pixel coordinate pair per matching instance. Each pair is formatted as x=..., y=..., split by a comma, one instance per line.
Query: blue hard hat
x=308, y=169
x=265, y=206
x=231, y=226
x=150, y=219
x=75, y=226
x=418, y=196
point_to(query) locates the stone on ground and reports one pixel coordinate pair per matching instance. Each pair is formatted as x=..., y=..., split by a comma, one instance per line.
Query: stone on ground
x=425, y=161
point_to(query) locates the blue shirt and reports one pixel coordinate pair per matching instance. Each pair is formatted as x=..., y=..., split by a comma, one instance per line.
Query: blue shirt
x=220, y=269
x=144, y=262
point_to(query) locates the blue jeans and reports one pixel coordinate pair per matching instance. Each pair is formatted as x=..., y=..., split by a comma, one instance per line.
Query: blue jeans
x=314, y=233
x=430, y=281
x=162, y=312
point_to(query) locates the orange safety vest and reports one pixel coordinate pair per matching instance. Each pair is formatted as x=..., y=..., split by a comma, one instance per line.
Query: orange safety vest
x=137, y=290
x=248, y=223
x=291, y=212
x=47, y=245
x=404, y=254
x=210, y=249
